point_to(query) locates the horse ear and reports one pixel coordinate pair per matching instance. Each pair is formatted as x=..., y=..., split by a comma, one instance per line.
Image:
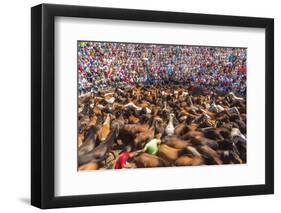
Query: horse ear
x=112, y=116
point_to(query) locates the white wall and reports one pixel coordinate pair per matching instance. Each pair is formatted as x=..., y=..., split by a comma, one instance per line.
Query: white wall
x=15, y=104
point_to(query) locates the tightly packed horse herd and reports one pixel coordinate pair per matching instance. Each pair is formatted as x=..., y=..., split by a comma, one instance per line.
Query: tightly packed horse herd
x=160, y=126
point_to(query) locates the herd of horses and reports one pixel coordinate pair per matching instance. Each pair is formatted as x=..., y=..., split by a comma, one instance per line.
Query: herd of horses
x=193, y=127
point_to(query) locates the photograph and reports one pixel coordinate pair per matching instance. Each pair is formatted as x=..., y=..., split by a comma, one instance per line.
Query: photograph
x=133, y=105
x=160, y=105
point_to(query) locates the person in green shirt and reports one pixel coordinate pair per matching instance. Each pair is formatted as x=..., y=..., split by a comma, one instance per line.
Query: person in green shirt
x=152, y=146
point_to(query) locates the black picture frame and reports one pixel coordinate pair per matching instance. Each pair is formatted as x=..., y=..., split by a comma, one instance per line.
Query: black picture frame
x=43, y=111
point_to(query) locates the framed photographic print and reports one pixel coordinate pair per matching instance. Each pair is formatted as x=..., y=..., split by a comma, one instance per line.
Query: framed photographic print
x=140, y=106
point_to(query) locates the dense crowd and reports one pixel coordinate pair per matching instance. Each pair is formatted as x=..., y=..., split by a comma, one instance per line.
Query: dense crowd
x=108, y=64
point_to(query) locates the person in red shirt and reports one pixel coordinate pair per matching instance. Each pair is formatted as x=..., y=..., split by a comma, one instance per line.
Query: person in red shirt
x=121, y=162
x=242, y=70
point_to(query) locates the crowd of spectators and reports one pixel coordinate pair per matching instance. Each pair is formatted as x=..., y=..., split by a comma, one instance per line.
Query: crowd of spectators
x=103, y=65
